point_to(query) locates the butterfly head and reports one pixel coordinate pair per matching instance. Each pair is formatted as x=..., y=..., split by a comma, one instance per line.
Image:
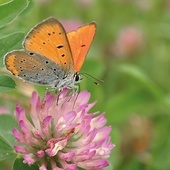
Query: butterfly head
x=68, y=82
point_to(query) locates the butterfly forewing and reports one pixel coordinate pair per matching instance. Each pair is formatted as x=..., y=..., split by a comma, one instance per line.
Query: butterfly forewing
x=80, y=42
x=49, y=39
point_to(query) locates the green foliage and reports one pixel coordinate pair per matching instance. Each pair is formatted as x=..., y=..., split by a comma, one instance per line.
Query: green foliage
x=10, y=10
x=5, y=150
x=6, y=83
x=7, y=123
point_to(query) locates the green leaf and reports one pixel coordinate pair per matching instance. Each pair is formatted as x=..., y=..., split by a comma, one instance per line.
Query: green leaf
x=7, y=123
x=8, y=43
x=125, y=103
x=6, y=151
x=137, y=74
x=146, y=82
x=9, y=11
x=6, y=83
x=19, y=165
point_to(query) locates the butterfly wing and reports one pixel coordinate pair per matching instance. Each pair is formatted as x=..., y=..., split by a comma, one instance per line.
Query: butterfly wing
x=80, y=42
x=33, y=67
x=49, y=39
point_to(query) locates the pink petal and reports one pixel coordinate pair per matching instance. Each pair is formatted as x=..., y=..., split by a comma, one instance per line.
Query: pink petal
x=82, y=158
x=19, y=113
x=99, y=121
x=46, y=125
x=69, y=117
x=83, y=96
x=28, y=159
x=66, y=156
x=40, y=153
x=24, y=129
x=90, y=136
x=38, y=134
x=94, y=164
x=20, y=149
x=18, y=136
x=102, y=133
x=70, y=166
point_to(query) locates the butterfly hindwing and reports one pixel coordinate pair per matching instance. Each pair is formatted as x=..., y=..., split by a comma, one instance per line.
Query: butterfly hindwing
x=33, y=68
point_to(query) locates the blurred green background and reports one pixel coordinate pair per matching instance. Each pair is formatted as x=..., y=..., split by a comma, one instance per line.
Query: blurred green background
x=131, y=53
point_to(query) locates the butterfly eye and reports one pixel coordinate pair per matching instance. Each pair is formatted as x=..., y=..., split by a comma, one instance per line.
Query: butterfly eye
x=31, y=53
x=76, y=77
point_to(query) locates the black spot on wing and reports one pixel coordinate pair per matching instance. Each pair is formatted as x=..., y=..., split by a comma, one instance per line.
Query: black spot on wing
x=23, y=60
x=60, y=46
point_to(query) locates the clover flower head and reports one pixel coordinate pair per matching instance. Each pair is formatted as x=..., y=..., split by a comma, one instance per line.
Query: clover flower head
x=60, y=133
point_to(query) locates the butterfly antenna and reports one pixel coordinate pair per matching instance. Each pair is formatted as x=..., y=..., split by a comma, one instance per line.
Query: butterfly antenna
x=91, y=78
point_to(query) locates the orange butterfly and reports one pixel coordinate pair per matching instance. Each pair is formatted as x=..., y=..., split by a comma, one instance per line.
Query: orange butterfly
x=51, y=56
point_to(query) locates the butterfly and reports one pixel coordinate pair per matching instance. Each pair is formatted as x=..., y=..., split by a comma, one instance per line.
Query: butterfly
x=51, y=56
